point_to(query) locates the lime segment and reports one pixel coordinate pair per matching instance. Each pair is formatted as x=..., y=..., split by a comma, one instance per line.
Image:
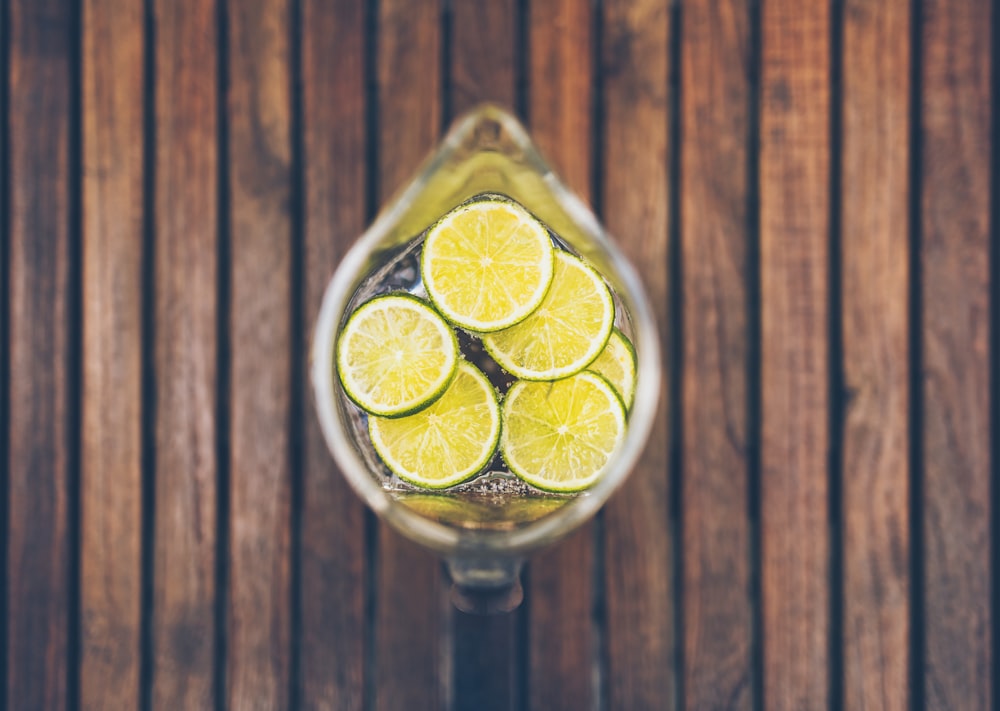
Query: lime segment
x=447, y=442
x=560, y=436
x=566, y=333
x=487, y=264
x=396, y=355
x=617, y=364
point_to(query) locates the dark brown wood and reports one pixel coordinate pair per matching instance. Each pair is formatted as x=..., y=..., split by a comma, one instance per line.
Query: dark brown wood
x=640, y=635
x=332, y=644
x=560, y=50
x=259, y=151
x=955, y=144
x=410, y=585
x=874, y=242
x=186, y=353
x=484, y=48
x=794, y=234
x=38, y=467
x=714, y=240
x=560, y=632
x=399, y=644
x=485, y=649
x=485, y=662
x=111, y=401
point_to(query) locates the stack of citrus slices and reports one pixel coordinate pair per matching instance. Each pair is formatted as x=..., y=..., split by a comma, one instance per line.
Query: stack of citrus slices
x=491, y=269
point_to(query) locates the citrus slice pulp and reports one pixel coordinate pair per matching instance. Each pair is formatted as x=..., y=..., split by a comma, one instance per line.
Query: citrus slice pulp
x=396, y=355
x=565, y=333
x=617, y=364
x=560, y=436
x=487, y=264
x=447, y=442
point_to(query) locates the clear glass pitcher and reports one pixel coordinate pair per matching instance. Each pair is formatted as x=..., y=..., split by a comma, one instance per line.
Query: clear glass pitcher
x=486, y=151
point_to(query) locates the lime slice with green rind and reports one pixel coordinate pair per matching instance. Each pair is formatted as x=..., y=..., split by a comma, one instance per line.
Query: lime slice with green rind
x=447, y=442
x=396, y=355
x=561, y=435
x=616, y=364
x=565, y=333
x=487, y=264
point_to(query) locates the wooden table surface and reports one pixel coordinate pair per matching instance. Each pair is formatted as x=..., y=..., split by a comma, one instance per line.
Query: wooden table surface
x=810, y=190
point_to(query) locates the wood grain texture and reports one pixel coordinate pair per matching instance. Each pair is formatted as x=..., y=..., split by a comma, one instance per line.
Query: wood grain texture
x=410, y=586
x=640, y=635
x=874, y=239
x=483, y=52
x=111, y=457
x=332, y=646
x=715, y=63
x=561, y=635
x=259, y=152
x=413, y=624
x=955, y=143
x=484, y=655
x=794, y=232
x=38, y=467
x=186, y=353
x=485, y=662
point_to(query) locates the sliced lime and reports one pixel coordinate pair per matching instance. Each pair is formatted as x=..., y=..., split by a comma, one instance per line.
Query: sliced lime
x=448, y=442
x=487, y=264
x=617, y=364
x=396, y=355
x=560, y=436
x=563, y=335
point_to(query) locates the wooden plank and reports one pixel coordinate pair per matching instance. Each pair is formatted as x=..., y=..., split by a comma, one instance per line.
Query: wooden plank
x=111, y=456
x=259, y=152
x=484, y=48
x=640, y=630
x=485, y=662
x=186, y=352
x=484, y=657
x=794, y=225
x=332, y=647
x=955, y=145
x=559, y=591
x=410, y=588
x=874, y=240
x=38, y=467
x=716, y=65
